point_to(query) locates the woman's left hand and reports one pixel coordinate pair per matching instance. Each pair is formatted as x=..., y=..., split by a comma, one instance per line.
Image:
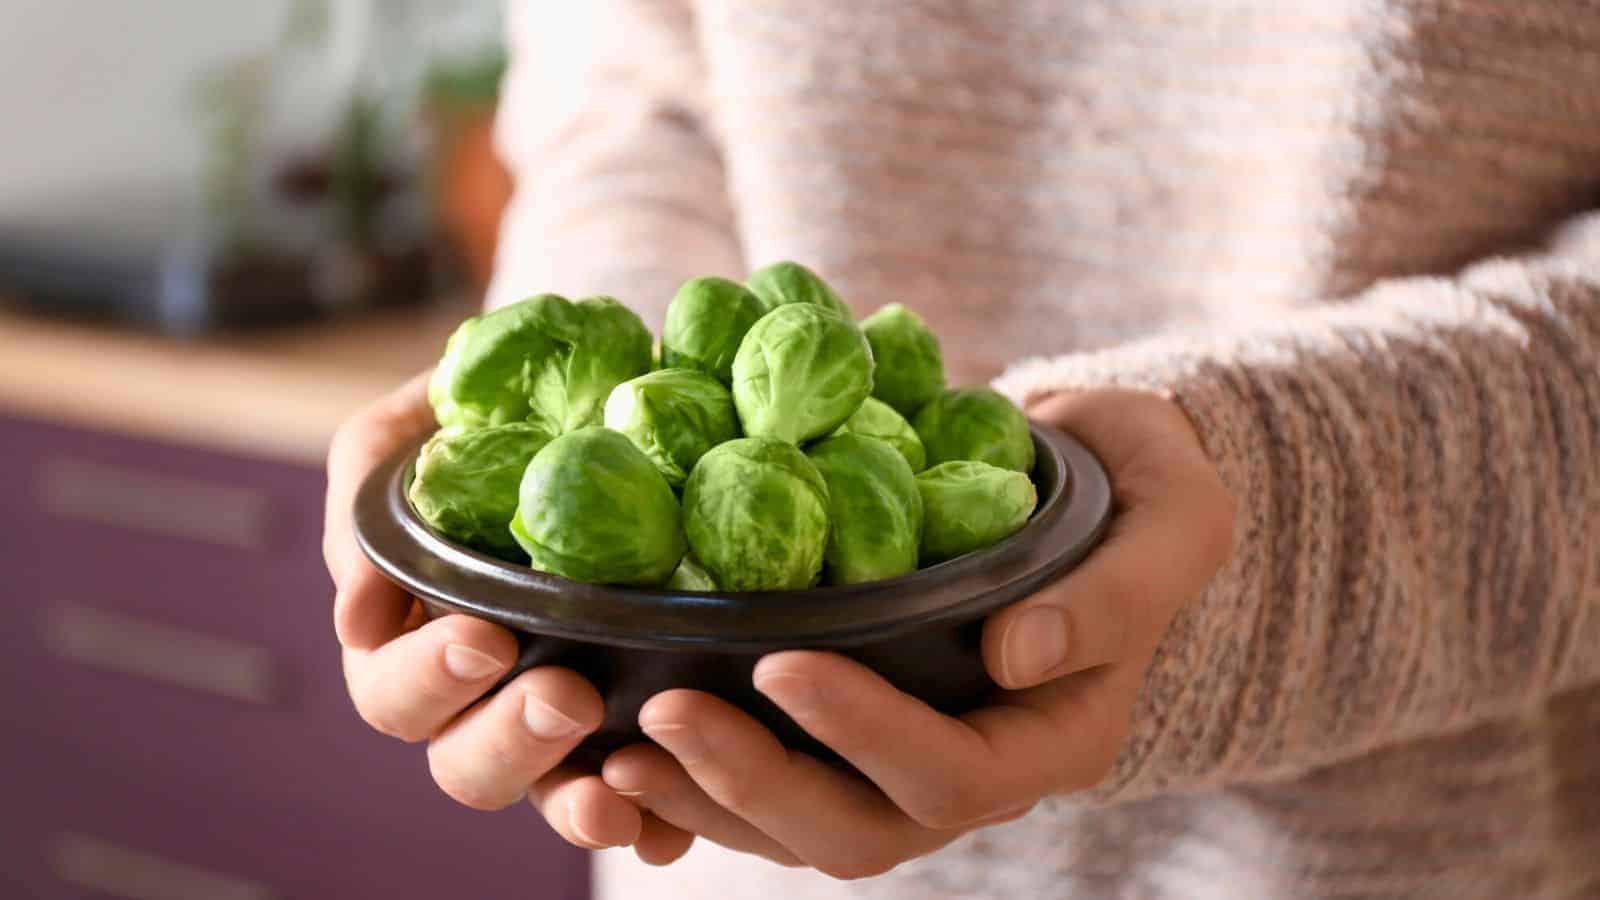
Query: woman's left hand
x=1071, y=661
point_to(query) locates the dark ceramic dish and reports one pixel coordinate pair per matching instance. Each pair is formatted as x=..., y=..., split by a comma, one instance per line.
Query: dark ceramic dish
x=921, y=631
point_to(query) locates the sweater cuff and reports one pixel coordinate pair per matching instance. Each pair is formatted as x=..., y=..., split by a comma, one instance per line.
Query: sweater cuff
x=1183, y=705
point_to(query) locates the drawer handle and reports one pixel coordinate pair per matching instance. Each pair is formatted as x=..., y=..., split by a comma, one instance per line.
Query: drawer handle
x=118, y=871
x=160, y=504
x=162, y=653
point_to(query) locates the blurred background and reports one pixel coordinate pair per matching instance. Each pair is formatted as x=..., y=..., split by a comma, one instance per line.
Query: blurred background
x=223, y=226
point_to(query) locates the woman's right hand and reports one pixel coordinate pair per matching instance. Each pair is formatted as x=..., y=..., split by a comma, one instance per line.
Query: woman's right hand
x=421, y=680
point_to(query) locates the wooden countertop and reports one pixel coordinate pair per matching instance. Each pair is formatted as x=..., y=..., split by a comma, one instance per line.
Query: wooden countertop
x=276, y=393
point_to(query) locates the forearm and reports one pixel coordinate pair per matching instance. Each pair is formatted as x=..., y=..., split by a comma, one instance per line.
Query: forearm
x=619, y=184
x=1418, y=479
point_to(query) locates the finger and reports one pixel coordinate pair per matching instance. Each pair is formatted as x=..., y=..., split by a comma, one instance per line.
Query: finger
x=951, y=776
x=366, y=607
x=487, y=758
x=650, y=777
x=410, y=687
x=1116, y=604
x=369, y=610
x=660, y=844
x=584, y=811
x=960, y=772
x=834, y=822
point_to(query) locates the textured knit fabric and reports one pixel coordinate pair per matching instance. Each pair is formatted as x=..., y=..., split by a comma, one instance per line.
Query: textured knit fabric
x=1348, y=236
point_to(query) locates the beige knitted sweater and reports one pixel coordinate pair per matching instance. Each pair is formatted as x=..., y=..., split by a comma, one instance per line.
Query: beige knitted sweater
x=1359, y=225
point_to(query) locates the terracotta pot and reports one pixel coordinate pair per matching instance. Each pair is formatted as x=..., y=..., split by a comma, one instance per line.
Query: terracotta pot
x=473, y=191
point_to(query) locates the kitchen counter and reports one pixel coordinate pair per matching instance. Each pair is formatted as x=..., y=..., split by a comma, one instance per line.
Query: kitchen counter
x=278, y=393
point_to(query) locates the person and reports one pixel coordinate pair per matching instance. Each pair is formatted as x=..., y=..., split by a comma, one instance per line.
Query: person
x=1316, y=281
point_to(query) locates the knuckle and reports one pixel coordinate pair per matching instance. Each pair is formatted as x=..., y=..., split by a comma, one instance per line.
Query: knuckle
x=387, y=723
x=381, y=713
x=946, y=806
x=471, y=792
x=737, y=796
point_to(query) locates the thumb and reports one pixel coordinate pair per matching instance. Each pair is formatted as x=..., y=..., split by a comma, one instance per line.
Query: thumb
x=1173, y=529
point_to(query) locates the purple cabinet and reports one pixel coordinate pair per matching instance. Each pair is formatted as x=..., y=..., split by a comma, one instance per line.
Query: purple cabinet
x=177, y=714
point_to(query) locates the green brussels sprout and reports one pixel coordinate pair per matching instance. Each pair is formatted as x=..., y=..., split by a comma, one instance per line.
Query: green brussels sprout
x=544, y=360
x=465, y=482
x=756, y=514
x=705, y=323
x=910, y=368
x=445, y=410
x=970, y=505
x=800, y=372
x=691, y=576
x=674, y=416
x=613, y=345
x=592, y=507
x=874, y=509
x=783, y=283
x=486, y=375
x=877, y=419
x=975, y=423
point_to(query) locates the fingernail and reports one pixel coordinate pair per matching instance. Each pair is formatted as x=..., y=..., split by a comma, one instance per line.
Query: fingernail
x=624, y=787
x=682, y=741
x=575, y=822
x=546, y=722
x=796, y=694
x=468, y=664
x=1035, y=643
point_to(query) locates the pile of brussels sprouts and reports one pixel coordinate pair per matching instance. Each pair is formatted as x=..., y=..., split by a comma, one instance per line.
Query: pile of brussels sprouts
x=778, y=443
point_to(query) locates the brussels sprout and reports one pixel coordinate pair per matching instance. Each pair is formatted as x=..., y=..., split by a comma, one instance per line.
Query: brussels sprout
x=592, y=507
x=910, y=368
x=970, y=505
x=445, y=410
x=975, y=423
x=674, y=416
x=545, y=360
x=613, y=346
x=800, y=372
x=487, y=373
x=756, y=514
x=877, y=419
x=465, y=484
x=874, y=509
x=691, y=576
x=705, y=323
x=789, y=282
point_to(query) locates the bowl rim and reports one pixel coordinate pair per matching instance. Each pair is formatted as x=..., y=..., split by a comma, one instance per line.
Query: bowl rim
x=1068, y=521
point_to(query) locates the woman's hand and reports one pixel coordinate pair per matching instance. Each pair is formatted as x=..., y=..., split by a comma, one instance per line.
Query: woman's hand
x=1071, y=658
x=420, y=680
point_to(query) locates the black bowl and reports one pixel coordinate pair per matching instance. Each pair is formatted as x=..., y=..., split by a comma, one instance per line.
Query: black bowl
x=921, y=631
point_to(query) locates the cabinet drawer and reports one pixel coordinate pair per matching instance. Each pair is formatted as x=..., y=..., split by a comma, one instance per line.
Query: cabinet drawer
x=179, y=715
x=198, y=710
x=101, y=486
x=209, y=543
x=99, y=829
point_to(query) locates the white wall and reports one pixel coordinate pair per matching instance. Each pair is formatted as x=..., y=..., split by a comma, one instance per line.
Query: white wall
x=96, y=99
